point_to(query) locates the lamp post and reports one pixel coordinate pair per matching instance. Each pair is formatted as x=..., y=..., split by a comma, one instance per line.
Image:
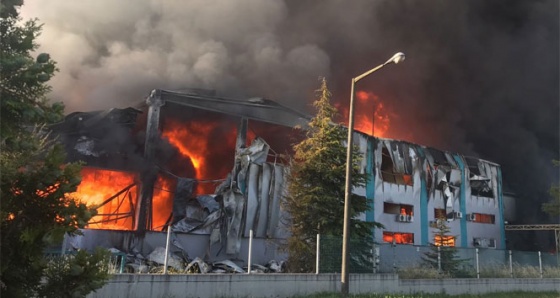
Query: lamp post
x=398, y=57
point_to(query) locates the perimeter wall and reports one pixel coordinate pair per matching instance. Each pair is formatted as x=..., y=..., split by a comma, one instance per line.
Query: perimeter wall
x=288, y=285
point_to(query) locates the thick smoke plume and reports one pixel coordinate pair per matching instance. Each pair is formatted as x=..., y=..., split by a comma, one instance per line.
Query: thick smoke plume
x=481, y=77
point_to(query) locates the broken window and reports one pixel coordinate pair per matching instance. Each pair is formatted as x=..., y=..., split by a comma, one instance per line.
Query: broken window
x=440, y=240
x=480, y=187
x=428, y=176
x=479, y=178
x=440, y=158
x=390, y=173
x=403, y=209
x=472, y=163
x=398, y=238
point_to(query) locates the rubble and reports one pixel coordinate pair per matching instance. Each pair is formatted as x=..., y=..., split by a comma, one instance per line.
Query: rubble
x=158, y=256
x=153, y=263
x=197, y=266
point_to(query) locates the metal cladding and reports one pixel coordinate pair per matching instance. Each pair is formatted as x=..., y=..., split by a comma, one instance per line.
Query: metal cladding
x=260, y=109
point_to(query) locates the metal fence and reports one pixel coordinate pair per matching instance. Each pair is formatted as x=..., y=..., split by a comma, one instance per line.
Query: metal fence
x=389, y=258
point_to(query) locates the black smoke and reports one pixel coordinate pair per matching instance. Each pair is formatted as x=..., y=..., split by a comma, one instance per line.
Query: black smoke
x=481, y=77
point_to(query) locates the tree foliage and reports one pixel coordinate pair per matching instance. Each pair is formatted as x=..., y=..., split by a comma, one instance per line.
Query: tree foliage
x=75, y=275
x=449, y=263
x=553, y=207
x=315, y=199
x=22, y=78
x=35, y=180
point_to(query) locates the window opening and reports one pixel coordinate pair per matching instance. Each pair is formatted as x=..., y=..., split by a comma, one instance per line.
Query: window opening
x=440, y=240
x=403, y=209
x=389, y=173
x=483, y=218
x=398, y=238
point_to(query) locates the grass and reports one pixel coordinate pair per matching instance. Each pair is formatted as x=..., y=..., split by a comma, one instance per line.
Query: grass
x=517, y=294
x=503, y=271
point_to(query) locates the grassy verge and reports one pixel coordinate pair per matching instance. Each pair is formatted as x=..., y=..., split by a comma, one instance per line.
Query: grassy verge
x=493, y=271
x=517, y=294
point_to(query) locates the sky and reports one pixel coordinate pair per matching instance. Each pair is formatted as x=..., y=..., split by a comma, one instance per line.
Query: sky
x=481, y=77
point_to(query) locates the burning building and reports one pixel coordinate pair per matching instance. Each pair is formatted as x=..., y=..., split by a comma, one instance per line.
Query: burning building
x=214, y=169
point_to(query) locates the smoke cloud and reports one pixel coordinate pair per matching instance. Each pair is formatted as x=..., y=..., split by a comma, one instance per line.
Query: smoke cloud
x=481, y=77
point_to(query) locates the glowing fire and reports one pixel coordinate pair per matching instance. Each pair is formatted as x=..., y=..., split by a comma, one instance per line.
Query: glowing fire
x=400, y=238
x=162, y=202
x=193, y=141
x=440, y=240
x=371, y=116
x=98, y=186
x=116, y=194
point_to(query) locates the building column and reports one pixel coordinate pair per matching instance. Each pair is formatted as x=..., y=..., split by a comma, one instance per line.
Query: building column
x=370, y=181
x=424, y=223
x=149, y=176
x=501, y=206
x=463, y=200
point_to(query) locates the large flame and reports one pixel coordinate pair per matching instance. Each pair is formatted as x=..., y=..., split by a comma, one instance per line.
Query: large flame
x=190, y=140
x=98, y=187
x=371, y=117
x=115, y=194
x=193, y=141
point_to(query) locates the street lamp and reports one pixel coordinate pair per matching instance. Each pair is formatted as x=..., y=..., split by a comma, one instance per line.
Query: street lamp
x=398, y=57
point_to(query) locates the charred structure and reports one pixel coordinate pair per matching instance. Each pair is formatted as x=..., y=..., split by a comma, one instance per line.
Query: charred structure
x=214, y=167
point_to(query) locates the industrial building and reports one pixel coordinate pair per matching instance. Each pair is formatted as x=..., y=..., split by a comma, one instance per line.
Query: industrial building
x=214, y=168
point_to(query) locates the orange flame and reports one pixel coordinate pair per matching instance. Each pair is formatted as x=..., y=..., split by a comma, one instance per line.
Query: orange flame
x=162, y=201
x=371, y=116
x=191, y=139
x=98, y=186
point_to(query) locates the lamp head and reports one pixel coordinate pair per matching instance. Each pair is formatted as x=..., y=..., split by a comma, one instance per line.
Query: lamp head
x=398, y=57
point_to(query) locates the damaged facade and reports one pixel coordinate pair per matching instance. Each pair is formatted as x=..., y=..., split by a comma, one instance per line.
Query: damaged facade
x=410, y=186
x=413, y=187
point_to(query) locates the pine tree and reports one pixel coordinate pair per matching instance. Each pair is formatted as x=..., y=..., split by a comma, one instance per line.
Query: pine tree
x=35, y=179
x=315, y=199
x=444, y=246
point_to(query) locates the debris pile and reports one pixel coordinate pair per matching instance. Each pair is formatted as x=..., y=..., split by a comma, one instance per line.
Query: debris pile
x=178, y=262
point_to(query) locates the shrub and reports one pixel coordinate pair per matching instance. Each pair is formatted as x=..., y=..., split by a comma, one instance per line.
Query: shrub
x=75, y=275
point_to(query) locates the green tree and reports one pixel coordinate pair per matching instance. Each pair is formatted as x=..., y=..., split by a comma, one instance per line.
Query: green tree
x=35, y=180
x=75, y=275
x=553, y=207
x=315, y=199
x=444, y=246
x=22, y=78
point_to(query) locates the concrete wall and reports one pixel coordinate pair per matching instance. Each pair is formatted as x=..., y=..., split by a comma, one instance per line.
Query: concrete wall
x=288, y=285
